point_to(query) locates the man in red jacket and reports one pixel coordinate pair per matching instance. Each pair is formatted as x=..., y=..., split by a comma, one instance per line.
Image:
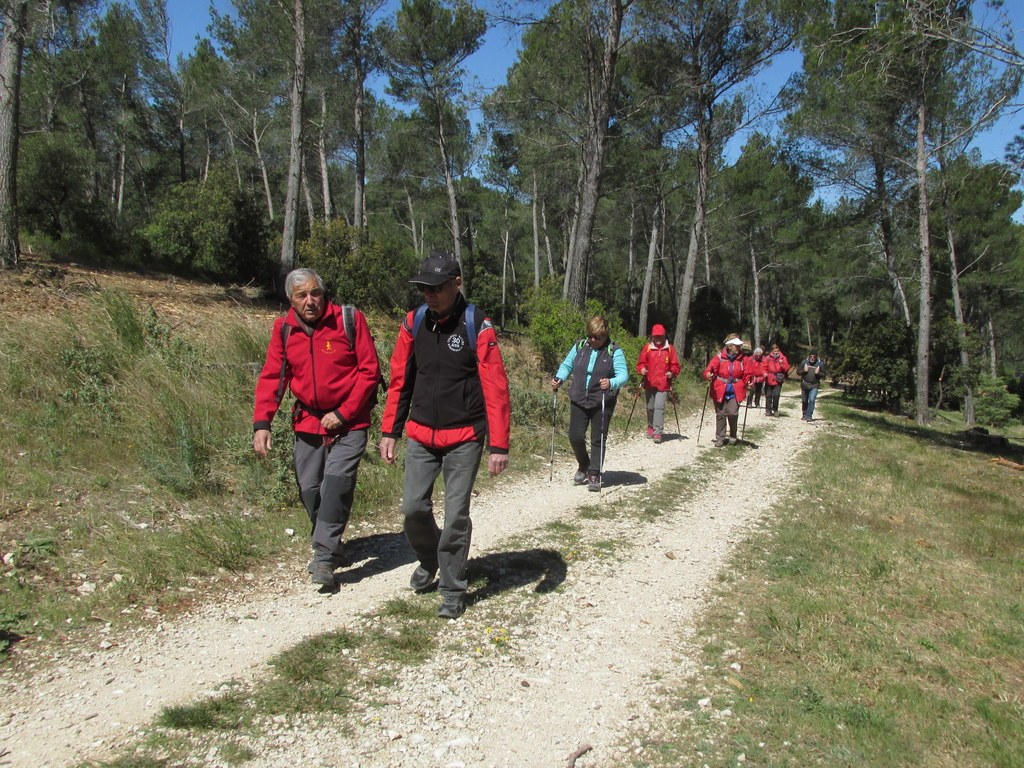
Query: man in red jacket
x=333, y=372
x=728, y=387
x=449, y=392
x=658, y=364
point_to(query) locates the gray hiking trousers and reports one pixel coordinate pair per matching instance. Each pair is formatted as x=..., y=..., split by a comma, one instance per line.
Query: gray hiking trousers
x=447, y=548
x=326, y=475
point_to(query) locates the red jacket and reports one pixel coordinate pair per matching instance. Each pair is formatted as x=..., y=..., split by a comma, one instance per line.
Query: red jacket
x=755, y=367
x=658, y=361
x=773, y=366
x=440, y=393
x=324, y=372
x=721, y=371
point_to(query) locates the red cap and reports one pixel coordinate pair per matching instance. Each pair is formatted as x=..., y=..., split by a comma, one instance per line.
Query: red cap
x=658, y=330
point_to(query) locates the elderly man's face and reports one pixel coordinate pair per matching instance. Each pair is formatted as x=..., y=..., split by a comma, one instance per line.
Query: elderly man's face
x=308, y=301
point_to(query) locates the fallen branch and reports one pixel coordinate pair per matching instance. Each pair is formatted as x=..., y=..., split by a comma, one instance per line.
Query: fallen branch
x=1007, y=463
x=584, y=748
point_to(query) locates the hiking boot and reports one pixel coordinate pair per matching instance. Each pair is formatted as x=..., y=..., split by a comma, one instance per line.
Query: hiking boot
x=657, y=437
x=594, y=481
x=323, y=574
x=337, y=561
x=719, y=443
x=422, y=578
x=650, y=433
x=580, y=478
x=733, y=440
x=451, y=607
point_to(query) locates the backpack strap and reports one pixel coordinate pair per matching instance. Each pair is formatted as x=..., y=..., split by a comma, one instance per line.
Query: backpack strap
x=286, y=331
x=348, y=319
x=470, y=318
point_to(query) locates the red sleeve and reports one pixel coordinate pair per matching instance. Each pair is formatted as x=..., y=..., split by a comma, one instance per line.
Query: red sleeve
x=641, y=358
x=269, y=381
x=494, y=381
x=366, y=375
x=673, y=361
x=396, y=407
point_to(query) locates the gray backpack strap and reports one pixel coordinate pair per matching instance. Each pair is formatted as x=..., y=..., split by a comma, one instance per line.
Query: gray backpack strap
x=286, y=331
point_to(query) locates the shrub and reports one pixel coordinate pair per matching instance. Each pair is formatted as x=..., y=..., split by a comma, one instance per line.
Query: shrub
x=211, y=228
x=366, y=275
x=875, y=360
x=993, y=402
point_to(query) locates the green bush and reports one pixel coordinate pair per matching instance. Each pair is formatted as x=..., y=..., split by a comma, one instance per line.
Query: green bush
x=355, y=273
x=875, y=360
x=993, y=402
x=53, y=182
x=211, y=228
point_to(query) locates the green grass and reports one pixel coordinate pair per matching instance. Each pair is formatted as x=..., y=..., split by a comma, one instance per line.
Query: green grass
x=127, y=474
x=880, y=624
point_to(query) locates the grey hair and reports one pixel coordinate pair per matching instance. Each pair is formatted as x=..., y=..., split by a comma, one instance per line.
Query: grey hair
x=299, y=276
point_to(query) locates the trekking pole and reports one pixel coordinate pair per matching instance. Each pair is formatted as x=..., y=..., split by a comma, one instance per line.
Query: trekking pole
x=746, y=410
x=675, y=410
x=602, y=428
x=702, y=410
x=626, y=431
x=554, y=416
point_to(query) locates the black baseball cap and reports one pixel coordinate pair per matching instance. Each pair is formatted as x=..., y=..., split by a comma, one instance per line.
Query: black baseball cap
x=437, y=269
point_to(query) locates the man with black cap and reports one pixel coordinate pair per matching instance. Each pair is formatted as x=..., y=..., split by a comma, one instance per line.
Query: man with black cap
x=658, y=364
x=449, y=392
x=811, y=371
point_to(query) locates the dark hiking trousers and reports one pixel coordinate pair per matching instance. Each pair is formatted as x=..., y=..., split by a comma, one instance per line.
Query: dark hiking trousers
x=326, y=475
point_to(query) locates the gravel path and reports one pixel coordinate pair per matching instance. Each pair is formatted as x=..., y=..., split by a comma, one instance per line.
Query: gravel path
x=575, y=666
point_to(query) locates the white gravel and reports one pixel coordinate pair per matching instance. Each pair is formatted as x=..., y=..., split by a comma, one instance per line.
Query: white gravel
x=572, y=667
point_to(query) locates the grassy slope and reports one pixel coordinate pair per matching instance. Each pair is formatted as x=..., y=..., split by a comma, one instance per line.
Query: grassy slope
x=878, y=619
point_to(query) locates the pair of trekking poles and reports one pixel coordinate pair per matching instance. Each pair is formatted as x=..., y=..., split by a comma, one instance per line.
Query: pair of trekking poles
x=672, y=399
x=746, y=409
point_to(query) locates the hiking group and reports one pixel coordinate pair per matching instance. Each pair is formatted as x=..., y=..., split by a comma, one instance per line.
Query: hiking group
x=449, y=394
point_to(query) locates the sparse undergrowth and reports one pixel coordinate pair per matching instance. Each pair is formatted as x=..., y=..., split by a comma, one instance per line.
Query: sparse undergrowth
x=876, y=621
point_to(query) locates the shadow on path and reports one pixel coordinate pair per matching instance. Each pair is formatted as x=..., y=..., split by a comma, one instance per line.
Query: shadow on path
x=509, y=570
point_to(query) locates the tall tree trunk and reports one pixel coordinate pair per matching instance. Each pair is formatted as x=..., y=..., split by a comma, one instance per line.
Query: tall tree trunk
x=954, y=284
x=307, y=193
x=412, y=222
x=358, y=114
x=645, y=294
x=453, y=203
x=321, y=145
x=263, y=166
x=921, y=415
x=547, y=238
x=536, y=236
x=696, y=233
x=993, y=369
x=12, y=45
x=291, y=200
x=599, y=86
x=504, y=268
x=886, y=238
x=757, y=295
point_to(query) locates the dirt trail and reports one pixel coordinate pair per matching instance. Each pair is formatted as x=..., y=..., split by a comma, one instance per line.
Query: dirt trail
x=580, y=670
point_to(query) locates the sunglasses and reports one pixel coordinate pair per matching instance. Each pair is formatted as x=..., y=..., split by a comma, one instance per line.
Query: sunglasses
x=424, y=288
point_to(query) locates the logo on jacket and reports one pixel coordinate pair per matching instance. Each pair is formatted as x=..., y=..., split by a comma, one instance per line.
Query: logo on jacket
x=456, y=343
x=329, y=347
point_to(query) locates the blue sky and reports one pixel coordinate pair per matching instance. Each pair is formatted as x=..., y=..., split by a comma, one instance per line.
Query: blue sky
x=489, y=65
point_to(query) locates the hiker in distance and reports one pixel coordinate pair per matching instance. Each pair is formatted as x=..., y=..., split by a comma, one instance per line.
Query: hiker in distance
x=449, y=392
x=324, y=353
x=811, y=371
x=774, y=367
x=728, y=385
x=658, y=364
x=755, y=367
x=598, y=370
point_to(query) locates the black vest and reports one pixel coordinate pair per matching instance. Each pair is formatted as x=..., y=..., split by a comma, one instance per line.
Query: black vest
x=604, y=368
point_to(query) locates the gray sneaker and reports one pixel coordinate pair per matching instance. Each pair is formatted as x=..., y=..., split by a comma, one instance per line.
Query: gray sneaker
x=594, y=481
x=422, y=578
x=719, y=443
x=451, y=607
x=323, y=574
x=580, y=478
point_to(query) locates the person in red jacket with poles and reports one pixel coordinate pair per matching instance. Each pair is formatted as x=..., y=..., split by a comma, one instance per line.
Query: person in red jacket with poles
x=775, y=367
x=658, y=364
x=325, y=354
x=755, y=366
x=449, y=392
x=728, y=379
